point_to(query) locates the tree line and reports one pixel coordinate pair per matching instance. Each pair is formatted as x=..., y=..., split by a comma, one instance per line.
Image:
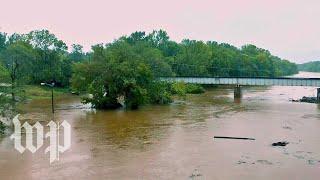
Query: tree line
x=313, y=66
x=129, y=66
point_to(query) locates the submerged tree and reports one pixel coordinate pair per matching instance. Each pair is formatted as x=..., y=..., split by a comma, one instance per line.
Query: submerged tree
x=117, y=71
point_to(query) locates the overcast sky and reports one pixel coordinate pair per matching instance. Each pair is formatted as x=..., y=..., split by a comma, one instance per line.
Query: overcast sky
x=288, y=28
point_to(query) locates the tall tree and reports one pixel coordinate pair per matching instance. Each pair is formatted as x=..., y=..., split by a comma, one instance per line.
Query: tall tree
x=44, y=40
x=18, y=58
x=77, y=54
x=51, y=55
x=3, y=40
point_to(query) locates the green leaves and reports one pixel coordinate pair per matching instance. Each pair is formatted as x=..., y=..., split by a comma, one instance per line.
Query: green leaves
x=310, y=66
x=44, y=40
x=128, y=68
x=118, y=71
x=4, y=74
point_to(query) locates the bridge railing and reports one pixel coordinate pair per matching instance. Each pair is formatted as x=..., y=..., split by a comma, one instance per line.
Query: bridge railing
x=314, y=82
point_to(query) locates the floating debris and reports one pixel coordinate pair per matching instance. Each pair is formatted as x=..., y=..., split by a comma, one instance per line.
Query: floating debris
x=283, y=143
x=311, y=162
x=195, y=174
x=241, y=162
x=226, y=137
x=266, y=162
x=306, y=99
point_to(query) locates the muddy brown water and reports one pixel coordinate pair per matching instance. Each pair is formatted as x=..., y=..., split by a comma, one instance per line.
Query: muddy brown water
x=176, y=141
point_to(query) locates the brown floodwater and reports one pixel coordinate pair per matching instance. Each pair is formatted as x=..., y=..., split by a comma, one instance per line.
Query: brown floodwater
x=176, y=141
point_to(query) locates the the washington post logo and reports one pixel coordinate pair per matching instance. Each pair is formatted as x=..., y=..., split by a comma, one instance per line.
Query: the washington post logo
x=53, y=135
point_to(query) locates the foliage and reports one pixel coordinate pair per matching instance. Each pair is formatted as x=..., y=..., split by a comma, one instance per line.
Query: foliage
x=37, y=57
x=193, y=59
x=159, y=93
x=4, y=104
x=115, y=71
x=313, y=66
x=100, y=99
x=129, y=67
x=77, y=54
x=2, y=128
x=44, y=40
x=179, y=88
x=3, y=39
x=194, y=89
x=4, y=74
x=42, y=92
x=17, y=59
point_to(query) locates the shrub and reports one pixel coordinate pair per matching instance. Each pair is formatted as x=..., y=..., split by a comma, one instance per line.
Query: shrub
x=160, y=93
x=179, y=88
x=194, y=89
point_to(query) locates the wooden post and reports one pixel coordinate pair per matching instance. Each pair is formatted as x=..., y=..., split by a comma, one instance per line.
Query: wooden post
x=237, y=92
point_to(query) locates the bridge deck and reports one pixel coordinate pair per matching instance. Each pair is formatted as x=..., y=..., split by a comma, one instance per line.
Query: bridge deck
x=256, y=81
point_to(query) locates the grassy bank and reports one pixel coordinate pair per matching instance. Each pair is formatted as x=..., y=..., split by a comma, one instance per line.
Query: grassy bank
x=42, y=92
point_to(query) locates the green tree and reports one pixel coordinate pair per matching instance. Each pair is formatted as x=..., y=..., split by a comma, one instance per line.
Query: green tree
x=44, y=40
x=4, y=74
x=118, y=70
x=18, y=58
x=4, y=99
x=313, y=66
x=3, y=40
x=52, y=64
x=192, y=59
x=77, y=54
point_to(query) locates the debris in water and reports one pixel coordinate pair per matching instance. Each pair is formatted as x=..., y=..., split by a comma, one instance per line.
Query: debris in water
x=306, y=99
x=266, y=162
x=311, y=162
x=283, y=143
x=195, y=174
x=287, y=127
x=241, y=162
x=226, y=137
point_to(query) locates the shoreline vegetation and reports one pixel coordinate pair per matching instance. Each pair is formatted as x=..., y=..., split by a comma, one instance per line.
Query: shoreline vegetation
x=313, y=66
x=128, y=67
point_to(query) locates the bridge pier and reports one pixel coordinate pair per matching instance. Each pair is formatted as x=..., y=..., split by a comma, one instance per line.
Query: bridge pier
x=318, y=94
x=237, y=92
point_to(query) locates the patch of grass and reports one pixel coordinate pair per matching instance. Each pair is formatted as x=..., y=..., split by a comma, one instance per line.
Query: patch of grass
x=41, y=92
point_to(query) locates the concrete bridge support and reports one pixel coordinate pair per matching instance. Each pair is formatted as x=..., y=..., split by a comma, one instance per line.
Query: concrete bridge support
x=237, y=92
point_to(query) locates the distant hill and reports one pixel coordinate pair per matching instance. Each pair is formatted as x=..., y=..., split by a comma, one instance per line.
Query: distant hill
x=313, y=66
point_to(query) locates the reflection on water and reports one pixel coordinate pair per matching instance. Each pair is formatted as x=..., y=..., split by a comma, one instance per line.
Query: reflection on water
x=176, y=141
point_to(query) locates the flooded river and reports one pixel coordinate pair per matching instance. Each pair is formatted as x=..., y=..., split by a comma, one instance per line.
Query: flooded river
x=176, y=141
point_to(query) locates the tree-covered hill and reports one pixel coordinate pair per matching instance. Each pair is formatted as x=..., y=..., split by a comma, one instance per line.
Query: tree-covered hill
x=313, y=66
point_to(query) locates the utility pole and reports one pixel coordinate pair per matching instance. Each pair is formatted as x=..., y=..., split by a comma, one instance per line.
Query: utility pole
x=52, y=100
x=52, y=103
